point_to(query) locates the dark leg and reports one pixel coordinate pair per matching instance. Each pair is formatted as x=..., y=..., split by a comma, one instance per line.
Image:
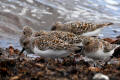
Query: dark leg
x=22, y=51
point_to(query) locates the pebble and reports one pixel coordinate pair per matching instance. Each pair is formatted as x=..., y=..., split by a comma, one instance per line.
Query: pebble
x=100, y=76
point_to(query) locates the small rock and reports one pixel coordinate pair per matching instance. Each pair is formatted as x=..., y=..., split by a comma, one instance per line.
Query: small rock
x=39, y=65
x=116, y=41
x=94, y=69
x=75, y=77
x=110, y=40
x=100, y=76
x=11, y=50
x=16, y=77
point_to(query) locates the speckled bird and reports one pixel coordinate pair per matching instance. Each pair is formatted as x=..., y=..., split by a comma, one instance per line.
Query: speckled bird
x=93, y=47
x=97, y=48
x=80, y=28
x=46, y=46
x=45, y=42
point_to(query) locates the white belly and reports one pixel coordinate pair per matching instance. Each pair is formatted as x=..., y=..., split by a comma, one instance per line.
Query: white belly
x=92, y=33
x=100, y=54
x=51, y=53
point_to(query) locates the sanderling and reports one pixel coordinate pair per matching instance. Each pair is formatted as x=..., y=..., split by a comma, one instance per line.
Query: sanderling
x=97, y=48
x=46, y=46
x=57, y=41
x=80, y=28
x=24, y=38
x=93, y=47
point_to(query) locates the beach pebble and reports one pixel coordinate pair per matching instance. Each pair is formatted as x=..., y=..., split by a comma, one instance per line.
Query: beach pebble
x=100, y=76
x=116, y=41
x=110, y=40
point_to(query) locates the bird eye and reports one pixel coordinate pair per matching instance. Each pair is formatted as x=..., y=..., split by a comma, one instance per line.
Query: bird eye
x=25, y=44
x=87, y=43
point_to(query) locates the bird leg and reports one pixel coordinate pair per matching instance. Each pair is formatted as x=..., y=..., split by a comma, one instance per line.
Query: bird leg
x=19, y=58
x=23, y=49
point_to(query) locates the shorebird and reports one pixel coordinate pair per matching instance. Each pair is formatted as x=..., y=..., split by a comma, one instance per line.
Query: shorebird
x=97, y=48
x=80, y=28
x=46, y=46
x=93, y=47
x=24, y=38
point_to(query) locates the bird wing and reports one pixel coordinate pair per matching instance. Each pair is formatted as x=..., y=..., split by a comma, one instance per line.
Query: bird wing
x=108, y=47
x=48, y=42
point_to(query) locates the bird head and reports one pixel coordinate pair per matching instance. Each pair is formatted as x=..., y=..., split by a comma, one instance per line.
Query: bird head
x=57, y=26
x=27, y=31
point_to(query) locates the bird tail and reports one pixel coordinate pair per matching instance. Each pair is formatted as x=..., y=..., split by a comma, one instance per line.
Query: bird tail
x=104, y=24
x=116, y=52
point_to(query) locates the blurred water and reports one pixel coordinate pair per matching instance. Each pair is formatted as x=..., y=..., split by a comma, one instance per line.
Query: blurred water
x=41, y=14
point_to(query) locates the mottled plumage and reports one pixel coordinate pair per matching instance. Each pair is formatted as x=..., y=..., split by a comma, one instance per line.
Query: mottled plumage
x=97, y=48
x=65, y=36
x=80, y=28
x=45, y=45
x=60, y=44
x=93, y=47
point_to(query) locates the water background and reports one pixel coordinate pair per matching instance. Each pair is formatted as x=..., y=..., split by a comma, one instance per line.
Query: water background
x=42, y=14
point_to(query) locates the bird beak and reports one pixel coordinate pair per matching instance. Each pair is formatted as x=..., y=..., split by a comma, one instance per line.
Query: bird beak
x=81, y=47
x=80, y=50
x=22, y=51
